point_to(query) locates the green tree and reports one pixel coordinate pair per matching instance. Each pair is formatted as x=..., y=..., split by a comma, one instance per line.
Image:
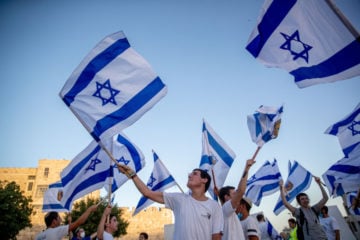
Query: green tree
x=92, y=222
x=15, y=210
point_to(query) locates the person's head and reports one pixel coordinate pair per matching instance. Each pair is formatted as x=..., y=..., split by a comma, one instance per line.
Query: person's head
x=324, y=211
x=52, y=219
x=243, y=208
x=80, y=233
x=199, y=176
x=292, y=223
x=226, y=193
x=260, y=217
x=143, y=236
x=112, y=225
x=303, y=199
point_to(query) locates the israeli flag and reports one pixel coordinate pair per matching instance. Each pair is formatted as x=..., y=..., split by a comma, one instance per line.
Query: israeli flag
x=348, y=131
x=307, y=39
x=350, y=197
x=299, y=180
x=217, y=157
x=92, y=169
x=52, y=198
x=264, y=182
x=127, y=153
x=160, y=180
x=272, y=231
x=264, y=125
x=344, y=175
x=112, y=87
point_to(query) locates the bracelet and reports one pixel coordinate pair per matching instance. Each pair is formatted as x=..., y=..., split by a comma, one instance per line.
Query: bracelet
x=132, y=174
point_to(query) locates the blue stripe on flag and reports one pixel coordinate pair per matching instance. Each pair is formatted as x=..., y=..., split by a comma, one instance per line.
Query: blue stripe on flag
x=347, y=58
x=156, y=188
x=129, y=108
x=271, y=20
x=56, y=185
x=349, y=169
x=132, y=150
x=94, y=179
x=52, y=206
x=94, y=66
x=75, y=170
x=220, y=150
x=335, y=128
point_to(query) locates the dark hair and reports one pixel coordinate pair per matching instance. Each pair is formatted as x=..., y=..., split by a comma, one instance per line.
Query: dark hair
x=292, y=220
x=299, y=196
x=144, y=234
x=248, y=207
x=50, y=217
x=110, y=217
x=204, y=174
x=325, y=209
x=260, y=217
x=224, y=191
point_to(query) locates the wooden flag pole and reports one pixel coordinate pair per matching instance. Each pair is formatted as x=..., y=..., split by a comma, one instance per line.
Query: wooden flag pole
x=343, y=19
x=256, y=152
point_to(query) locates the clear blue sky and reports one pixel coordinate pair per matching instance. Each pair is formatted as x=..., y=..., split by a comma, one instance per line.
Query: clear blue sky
x=198, y=50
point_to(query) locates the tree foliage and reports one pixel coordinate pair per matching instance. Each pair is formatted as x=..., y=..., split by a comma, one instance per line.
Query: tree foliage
x=90, y=226
x=15, y=210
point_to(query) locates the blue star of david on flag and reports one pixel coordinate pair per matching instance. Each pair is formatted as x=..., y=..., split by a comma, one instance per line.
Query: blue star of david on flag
x=92, y=164
x=122, y=160
x=353, y=129
x=106, y=93
x=295, y=46
x=151, y=181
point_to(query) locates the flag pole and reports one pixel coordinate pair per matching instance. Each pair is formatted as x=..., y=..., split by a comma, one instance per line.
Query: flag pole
x=256, y=152
x=343, y=19
x=162, y=164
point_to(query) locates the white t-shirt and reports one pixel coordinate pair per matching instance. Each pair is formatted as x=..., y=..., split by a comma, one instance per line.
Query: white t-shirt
x=263, y=227
x=330, y=225
x=251, y=227
x=232, y=226
x=53, y=233
x=194, y=219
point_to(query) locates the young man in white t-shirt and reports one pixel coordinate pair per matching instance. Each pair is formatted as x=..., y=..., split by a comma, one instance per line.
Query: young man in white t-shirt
x=56, y=231
x=330, y=224
x=230, y=200
x=249, y=224
x=196, y=216
x=106, y=228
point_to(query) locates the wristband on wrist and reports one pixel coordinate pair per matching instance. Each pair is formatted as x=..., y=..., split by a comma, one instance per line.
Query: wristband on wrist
x=132, y=174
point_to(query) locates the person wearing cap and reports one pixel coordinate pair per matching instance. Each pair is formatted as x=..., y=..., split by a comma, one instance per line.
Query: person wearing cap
x=56, y=231
x=196, y=215
x=230, y=200
x=249, y=223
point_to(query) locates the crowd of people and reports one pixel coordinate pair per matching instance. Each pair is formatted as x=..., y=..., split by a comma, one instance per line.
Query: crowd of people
x=199, y=217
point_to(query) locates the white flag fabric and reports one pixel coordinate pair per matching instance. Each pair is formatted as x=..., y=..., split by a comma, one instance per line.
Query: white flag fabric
x=299, y=180
x=348, y=131
x=112, y=87
x=344, y=175
x=160, y=180
x=349, y=199
x=307, y=39
x=127, y=153
x=264, y=124
x=52, y=198
x=264, y=182
x=217, y=157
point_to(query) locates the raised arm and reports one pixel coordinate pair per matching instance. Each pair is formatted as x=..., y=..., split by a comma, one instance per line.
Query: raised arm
x=140, y=185
x=325, y=197
x=283, y=198
x=101, y=226
x=82, y=218
x=235, y=201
